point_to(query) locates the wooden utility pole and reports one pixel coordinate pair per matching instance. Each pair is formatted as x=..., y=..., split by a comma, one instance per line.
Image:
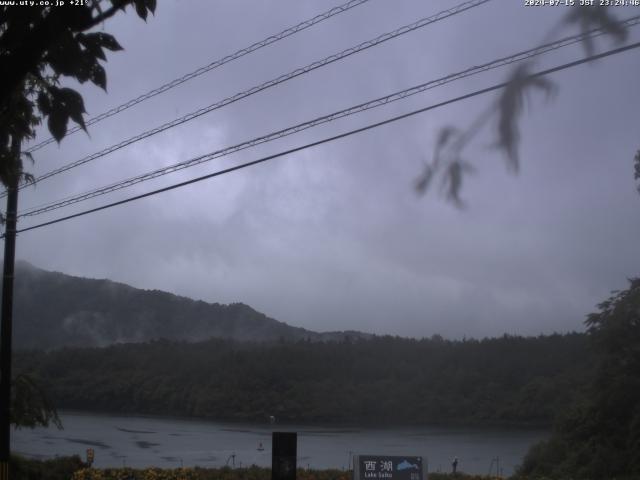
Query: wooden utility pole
x=7, y=319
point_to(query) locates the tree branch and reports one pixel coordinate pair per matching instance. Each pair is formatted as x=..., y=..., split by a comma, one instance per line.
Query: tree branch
x=27, y=57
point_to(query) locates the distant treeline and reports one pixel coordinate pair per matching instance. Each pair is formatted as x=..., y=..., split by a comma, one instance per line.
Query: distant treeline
x=385, y=380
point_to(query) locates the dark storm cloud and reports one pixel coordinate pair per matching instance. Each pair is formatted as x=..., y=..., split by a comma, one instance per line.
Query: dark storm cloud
x=334, y=237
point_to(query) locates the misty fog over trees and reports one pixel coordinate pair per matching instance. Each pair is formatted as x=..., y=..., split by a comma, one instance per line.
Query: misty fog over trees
x=504, y=381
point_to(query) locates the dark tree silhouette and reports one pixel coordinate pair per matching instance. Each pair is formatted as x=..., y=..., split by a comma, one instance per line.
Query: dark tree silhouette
x=600, y=436
x=30, y=406
x=40, y=46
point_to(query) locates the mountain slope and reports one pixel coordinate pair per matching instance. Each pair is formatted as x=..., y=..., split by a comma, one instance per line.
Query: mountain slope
x=53, y=310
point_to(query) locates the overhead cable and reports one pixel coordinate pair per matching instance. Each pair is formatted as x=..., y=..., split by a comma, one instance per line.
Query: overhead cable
x=271, y=83
x=378, y=102
x=495, y=87
x=207, y=68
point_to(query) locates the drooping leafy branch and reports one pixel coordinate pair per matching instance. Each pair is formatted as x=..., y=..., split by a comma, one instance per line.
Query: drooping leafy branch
x=507, y=110
x=636, y=167
x=30, y=406
x=40, y=46
x=598, y=437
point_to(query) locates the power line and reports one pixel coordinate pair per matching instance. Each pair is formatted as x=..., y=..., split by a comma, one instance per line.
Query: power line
x=333, y=138
x=543, y=49
x=271, y=83
x=207, y=68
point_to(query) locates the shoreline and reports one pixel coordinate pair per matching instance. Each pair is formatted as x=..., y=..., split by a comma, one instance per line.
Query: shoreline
x=462, y=425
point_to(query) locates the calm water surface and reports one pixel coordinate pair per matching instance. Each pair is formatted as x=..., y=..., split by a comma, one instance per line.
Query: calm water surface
x=168, y=442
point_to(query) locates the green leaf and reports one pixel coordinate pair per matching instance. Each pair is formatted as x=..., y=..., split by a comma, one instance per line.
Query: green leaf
x=28, y=178
x=141, y=8
x=107, y=41
x=29, y=156
x=444, y=138
x=452, y=180
x=424, y=180
x=57, y=124
x=73, y=105
x=67, y=103
x=591, y=18
x=510, y=107
x=65, y=55
x=99, y=77
x=92, y=44
x=44, y=103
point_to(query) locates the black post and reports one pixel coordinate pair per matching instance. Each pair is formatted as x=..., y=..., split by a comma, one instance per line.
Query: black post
x=5, y=329
x=284, y=453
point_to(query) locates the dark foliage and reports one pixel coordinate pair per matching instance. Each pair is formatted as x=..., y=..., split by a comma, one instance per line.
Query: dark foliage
x=507, y=111
x=508, y=380
x=511, y=106
x=30, y=406
x=588, y=19
x=599, y=437
x=38, y=47
x=61, y=468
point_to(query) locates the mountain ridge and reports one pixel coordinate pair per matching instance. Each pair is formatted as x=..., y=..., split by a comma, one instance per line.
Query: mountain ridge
x=54, y=310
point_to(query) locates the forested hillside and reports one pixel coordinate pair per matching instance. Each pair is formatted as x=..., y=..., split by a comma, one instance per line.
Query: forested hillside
x=53, y=310
x=508, y=380
x=598, y=436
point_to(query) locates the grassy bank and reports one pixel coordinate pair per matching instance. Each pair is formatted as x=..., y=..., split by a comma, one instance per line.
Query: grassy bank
x=72, y=468
x=62, y=468
x=252, y=473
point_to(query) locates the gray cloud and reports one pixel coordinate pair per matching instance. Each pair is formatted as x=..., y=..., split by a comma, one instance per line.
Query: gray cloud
x=334, y=237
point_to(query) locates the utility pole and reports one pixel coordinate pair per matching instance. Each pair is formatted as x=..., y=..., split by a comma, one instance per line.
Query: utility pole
x=7, y=318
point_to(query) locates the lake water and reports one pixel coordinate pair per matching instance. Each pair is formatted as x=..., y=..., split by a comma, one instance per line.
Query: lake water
x=168, y=442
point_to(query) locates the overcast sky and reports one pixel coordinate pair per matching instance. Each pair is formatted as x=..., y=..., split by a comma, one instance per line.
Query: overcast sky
x=335, y=237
